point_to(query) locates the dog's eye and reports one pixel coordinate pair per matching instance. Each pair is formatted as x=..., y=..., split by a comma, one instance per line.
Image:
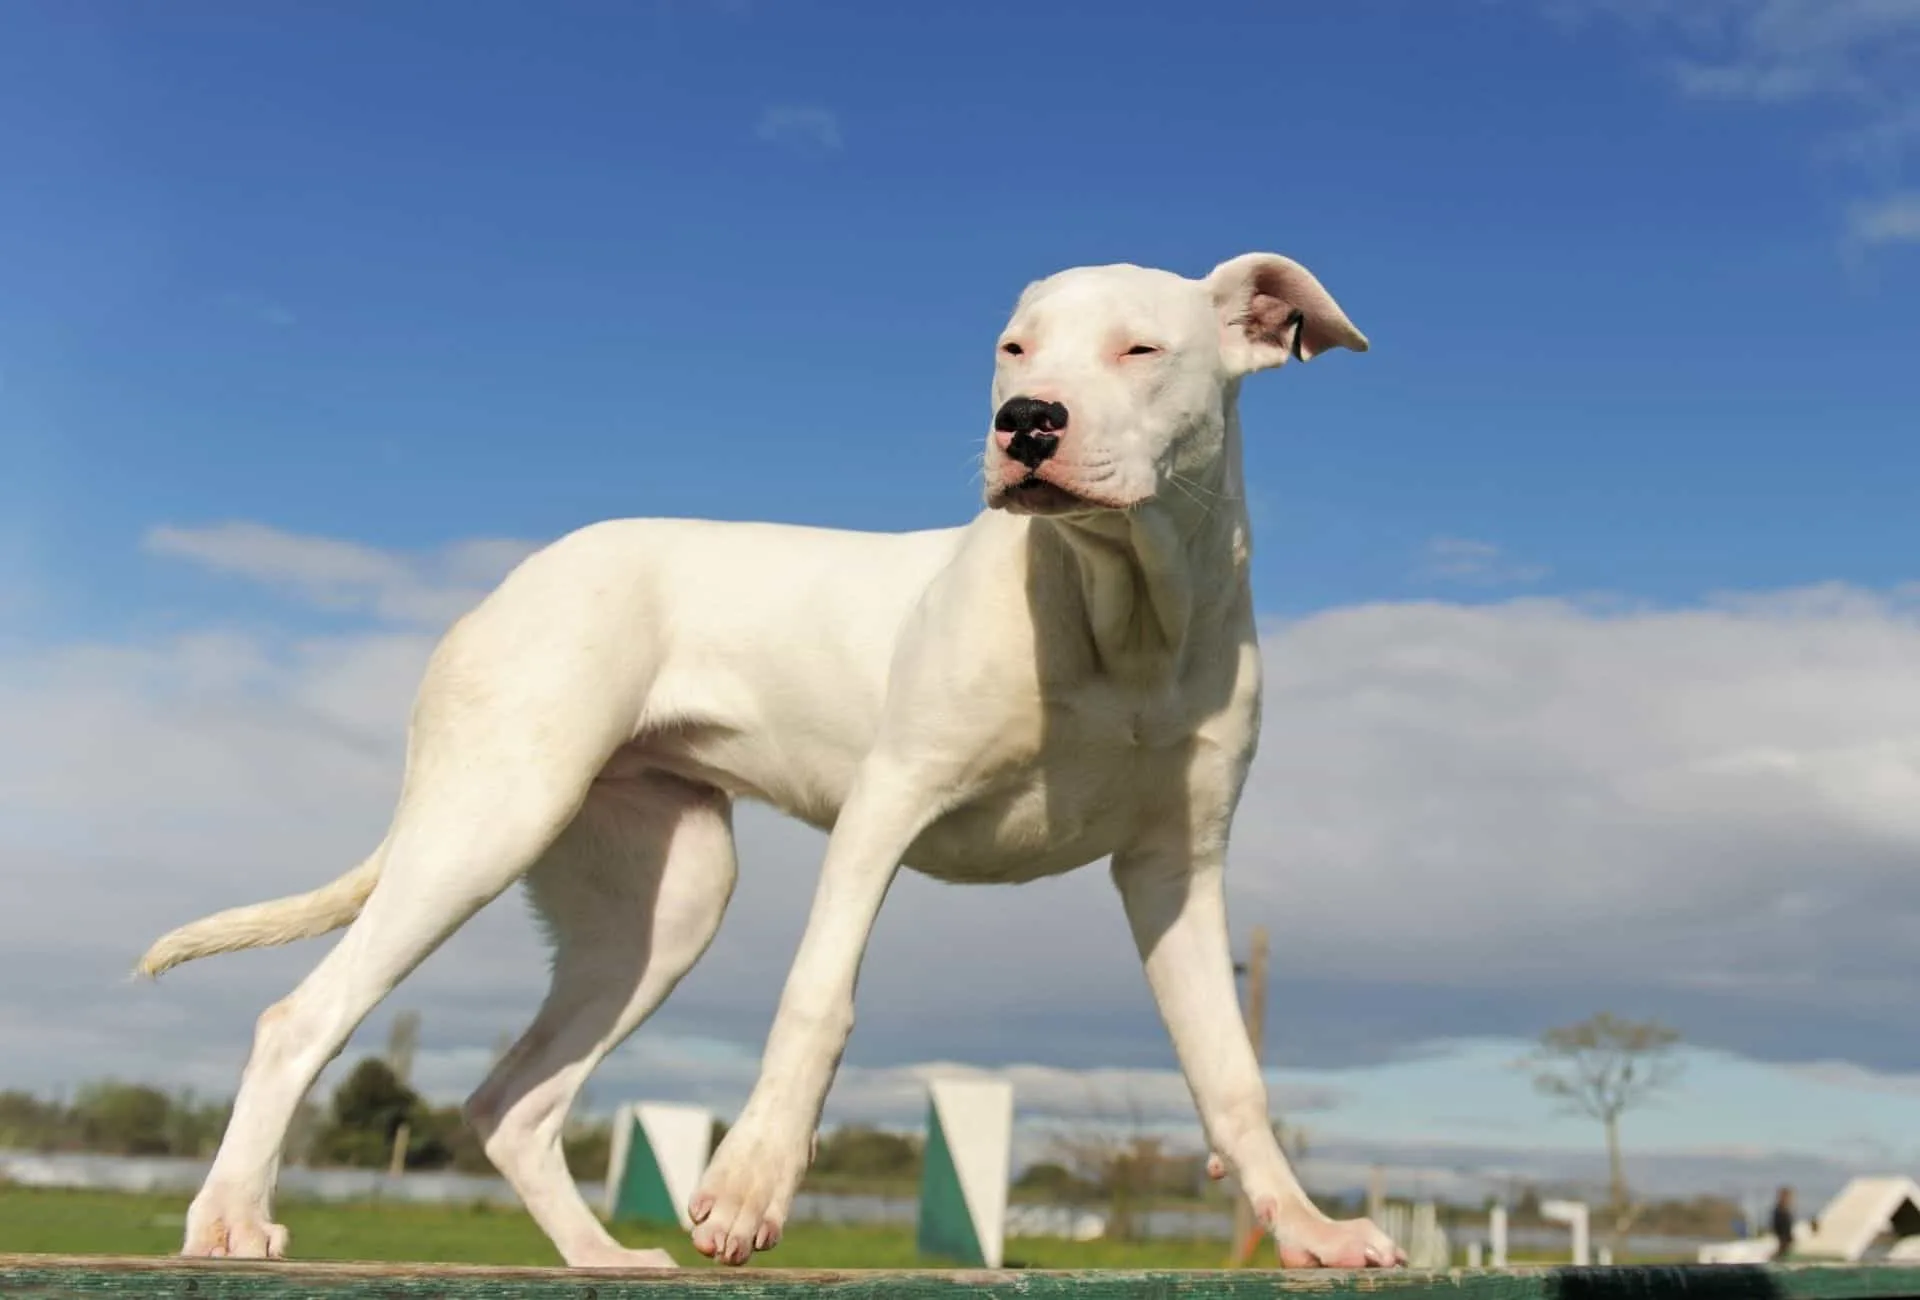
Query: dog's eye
x=1013, y=349
x=1142, y=350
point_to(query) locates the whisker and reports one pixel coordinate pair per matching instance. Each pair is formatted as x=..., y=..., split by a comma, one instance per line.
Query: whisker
x=1215, y=493
x=1175, y=481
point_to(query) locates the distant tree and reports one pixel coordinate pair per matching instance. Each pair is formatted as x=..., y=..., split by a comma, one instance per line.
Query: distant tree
x=1053, y=1179
x=368, y=1109
x=193, y=1126
x=1603, y=1067
x=29, y=1123
x=125, y=1119
x=857, y=1151
x=1111, y=1151
x=589, y=1149
x=112, y=1117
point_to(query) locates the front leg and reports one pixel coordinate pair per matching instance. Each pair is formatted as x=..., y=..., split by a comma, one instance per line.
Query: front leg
x=1175, y=900
x=749, y=1186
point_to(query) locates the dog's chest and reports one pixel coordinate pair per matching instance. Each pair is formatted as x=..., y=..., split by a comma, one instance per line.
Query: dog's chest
x=1103, y=762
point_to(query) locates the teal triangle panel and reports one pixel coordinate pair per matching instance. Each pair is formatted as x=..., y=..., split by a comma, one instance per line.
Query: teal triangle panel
x=947, y=1230
x=643, y=1195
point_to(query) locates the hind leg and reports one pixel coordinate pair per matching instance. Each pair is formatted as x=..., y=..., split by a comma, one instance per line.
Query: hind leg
x=462, y=834
x=632, y=894
x=442, y=864
x=522, y=704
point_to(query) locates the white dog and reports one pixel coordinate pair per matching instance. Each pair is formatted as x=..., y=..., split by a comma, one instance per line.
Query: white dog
x=1072, y=676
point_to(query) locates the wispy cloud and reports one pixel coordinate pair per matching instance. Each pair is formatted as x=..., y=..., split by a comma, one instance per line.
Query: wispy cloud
x=1894, y=220
x=1462, y=559
x=1860, y=58
x=803, y=126
x=427, y=588
x=1847, y=1074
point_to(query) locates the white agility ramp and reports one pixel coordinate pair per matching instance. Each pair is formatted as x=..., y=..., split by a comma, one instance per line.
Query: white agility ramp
x=963, y=1178
x=659, y=1153
x=1865, y=1208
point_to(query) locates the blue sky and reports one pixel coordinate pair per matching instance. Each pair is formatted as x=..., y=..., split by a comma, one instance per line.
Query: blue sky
x=379, y=280
x=391, y=270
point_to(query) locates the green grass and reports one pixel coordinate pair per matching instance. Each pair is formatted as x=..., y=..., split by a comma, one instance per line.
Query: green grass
x=35, y=1221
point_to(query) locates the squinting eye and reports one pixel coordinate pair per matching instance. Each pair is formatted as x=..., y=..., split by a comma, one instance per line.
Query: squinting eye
x=1013, y=349
x=1142, y=350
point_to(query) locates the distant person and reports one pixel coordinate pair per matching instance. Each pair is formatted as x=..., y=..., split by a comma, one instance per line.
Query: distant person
x=1783, y=1222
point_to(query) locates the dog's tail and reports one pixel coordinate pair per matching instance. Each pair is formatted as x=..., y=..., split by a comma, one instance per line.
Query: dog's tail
x=263, y=925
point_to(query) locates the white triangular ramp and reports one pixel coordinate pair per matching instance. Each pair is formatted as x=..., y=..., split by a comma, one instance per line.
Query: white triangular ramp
x=658, y=1154
x=976, y=1116
x=1864, y=1209
x=682, y=1139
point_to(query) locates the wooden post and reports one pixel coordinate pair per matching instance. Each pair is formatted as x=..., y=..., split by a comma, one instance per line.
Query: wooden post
x=1246, y=1232
x=402, y=1039
x=402, y=1138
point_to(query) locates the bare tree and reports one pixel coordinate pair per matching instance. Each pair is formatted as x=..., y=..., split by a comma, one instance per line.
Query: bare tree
x=1602, y=1067
x=1112, y=1152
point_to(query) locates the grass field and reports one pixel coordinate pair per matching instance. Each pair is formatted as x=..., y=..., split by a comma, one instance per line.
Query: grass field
x=107, y=1223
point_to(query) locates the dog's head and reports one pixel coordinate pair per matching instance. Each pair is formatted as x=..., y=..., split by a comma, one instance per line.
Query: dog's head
x=1114, y=382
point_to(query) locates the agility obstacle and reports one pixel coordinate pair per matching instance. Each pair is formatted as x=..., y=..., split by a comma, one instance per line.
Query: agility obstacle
x=657, y=1156
x=55, y=1277
x=963, y=1176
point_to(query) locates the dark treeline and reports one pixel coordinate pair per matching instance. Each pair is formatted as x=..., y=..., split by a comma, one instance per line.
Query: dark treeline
x=355, y=1128
x=358, y=1127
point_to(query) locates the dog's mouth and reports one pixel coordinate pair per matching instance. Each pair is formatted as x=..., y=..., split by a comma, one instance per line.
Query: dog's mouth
x=1034, y=495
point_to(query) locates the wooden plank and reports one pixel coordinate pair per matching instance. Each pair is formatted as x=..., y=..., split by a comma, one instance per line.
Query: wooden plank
x=47, y=1277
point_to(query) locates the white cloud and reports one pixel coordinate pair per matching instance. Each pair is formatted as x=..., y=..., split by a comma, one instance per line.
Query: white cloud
x=1463, y=821
x=1774, y=50
x=1861, y=57
x=1461, y=559
x=1894, y=220
x=800, y=126
x=1720, y=800
x=1846, y=1074
x=428, y=589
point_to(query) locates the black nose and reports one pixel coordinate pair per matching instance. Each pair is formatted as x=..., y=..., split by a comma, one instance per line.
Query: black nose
x=1035, y=426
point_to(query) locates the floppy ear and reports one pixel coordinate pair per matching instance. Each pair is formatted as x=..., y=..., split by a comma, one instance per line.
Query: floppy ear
x=1272, y=308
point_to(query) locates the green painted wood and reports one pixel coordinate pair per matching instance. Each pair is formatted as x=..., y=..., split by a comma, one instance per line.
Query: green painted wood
x=47, y=1277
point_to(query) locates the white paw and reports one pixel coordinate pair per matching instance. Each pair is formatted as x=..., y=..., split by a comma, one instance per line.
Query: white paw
x=221, y=1226
x=743, y=1200
x=1331, y=1243
x=623, y=1258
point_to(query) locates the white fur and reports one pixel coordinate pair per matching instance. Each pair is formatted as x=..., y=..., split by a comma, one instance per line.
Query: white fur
x=1072, y=676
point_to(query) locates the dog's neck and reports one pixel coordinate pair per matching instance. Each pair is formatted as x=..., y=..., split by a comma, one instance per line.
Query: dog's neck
x=1163, y=577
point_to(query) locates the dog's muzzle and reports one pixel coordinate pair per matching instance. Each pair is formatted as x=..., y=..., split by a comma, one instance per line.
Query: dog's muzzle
x=1034, y=427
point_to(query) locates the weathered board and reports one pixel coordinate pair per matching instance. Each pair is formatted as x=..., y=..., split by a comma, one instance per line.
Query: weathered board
x=47, y=1276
